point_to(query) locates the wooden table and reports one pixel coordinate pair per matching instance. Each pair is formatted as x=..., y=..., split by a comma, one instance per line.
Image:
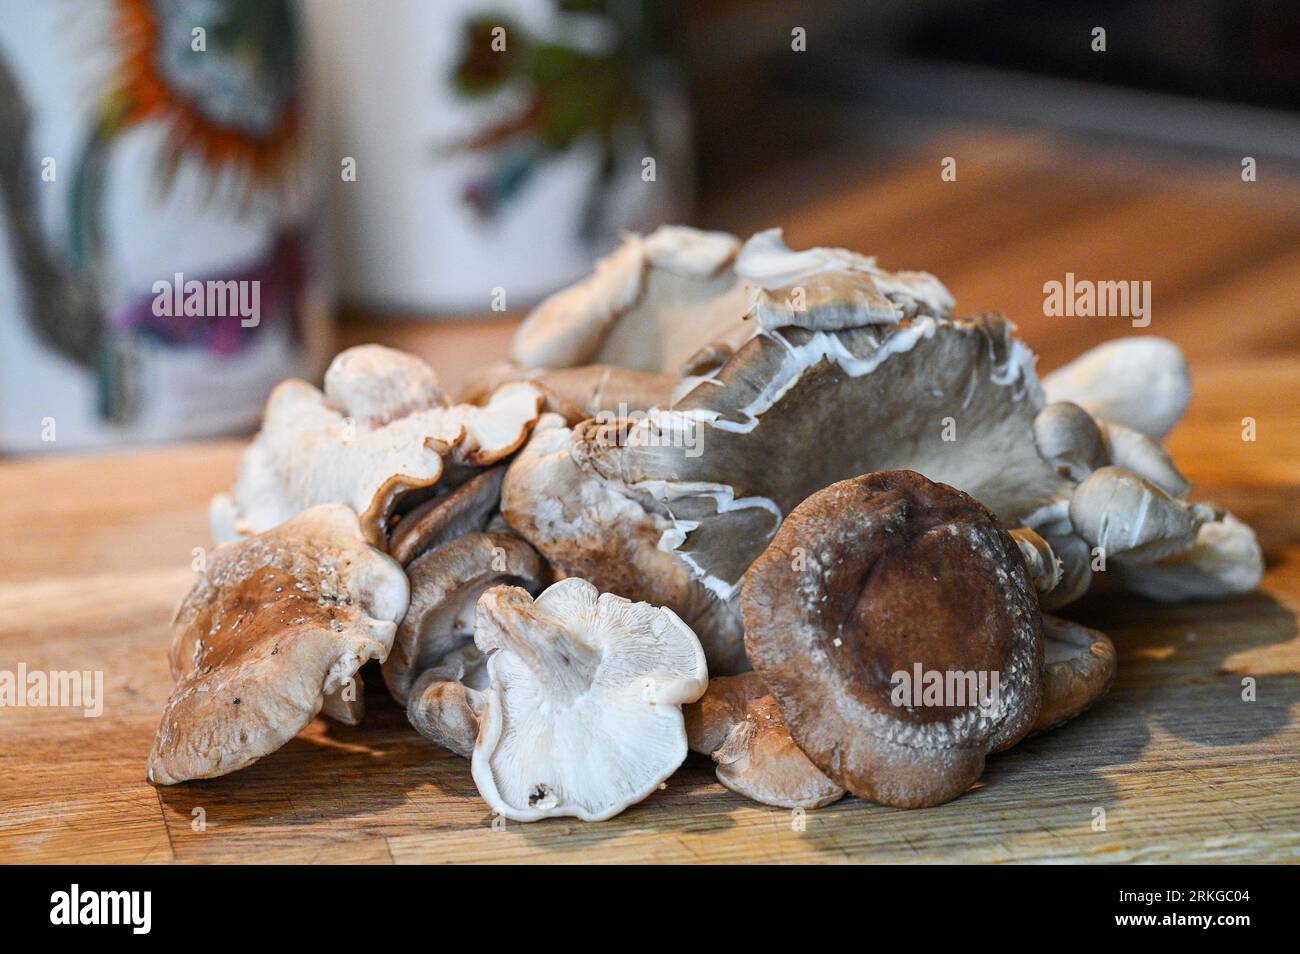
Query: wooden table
x=97, y=552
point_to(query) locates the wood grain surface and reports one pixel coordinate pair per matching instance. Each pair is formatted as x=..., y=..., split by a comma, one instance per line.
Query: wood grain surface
x=97, y=552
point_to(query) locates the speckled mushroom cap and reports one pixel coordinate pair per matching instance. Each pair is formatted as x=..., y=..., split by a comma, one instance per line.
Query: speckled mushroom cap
x=1079, y=667
x=277, y=622
x=879, y=575
x=739, y=724
x=380, y=430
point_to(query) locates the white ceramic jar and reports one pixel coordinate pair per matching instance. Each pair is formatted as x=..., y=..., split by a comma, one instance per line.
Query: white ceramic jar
x=159, y=262
x=498, y=148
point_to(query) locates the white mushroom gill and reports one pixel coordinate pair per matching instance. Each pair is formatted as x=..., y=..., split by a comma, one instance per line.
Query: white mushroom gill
x=583, y=713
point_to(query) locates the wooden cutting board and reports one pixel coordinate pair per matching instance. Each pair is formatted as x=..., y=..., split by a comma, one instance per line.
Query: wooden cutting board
x=97, y=552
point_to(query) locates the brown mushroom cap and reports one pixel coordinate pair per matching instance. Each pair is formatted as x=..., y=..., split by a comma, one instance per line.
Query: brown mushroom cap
x=278, y=622
x=1079, y=667
x=712, y=717
x=738, y=723
x=467, y=509
x=875, y=576
x=446, y=583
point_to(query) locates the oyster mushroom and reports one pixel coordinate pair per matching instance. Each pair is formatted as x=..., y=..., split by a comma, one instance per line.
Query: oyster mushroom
x=277, y=622
x=1077, y=444
x=738, y=723
x=649, y=306
x=955, y=399
x=814, y=398
x=1060, y=566
x=378, y=433
x=1142, y=383
x=1069, y=438
x=797, y=409
x=1162, y=546
x=446, y=583
x=1135, y=452
x=597, y=529
x=378, y=385
x=892, y=573
x=1073, y=556
x=1078, y=669
x=582, y=715
x=839, y=400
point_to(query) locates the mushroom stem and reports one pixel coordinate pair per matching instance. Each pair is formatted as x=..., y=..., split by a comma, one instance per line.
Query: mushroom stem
x=1044, y=568
x=509, y=619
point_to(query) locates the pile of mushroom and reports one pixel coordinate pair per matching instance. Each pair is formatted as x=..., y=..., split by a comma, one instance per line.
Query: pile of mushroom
x=796, y=471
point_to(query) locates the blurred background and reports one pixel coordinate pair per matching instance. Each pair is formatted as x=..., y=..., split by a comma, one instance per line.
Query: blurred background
x=421, y=173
